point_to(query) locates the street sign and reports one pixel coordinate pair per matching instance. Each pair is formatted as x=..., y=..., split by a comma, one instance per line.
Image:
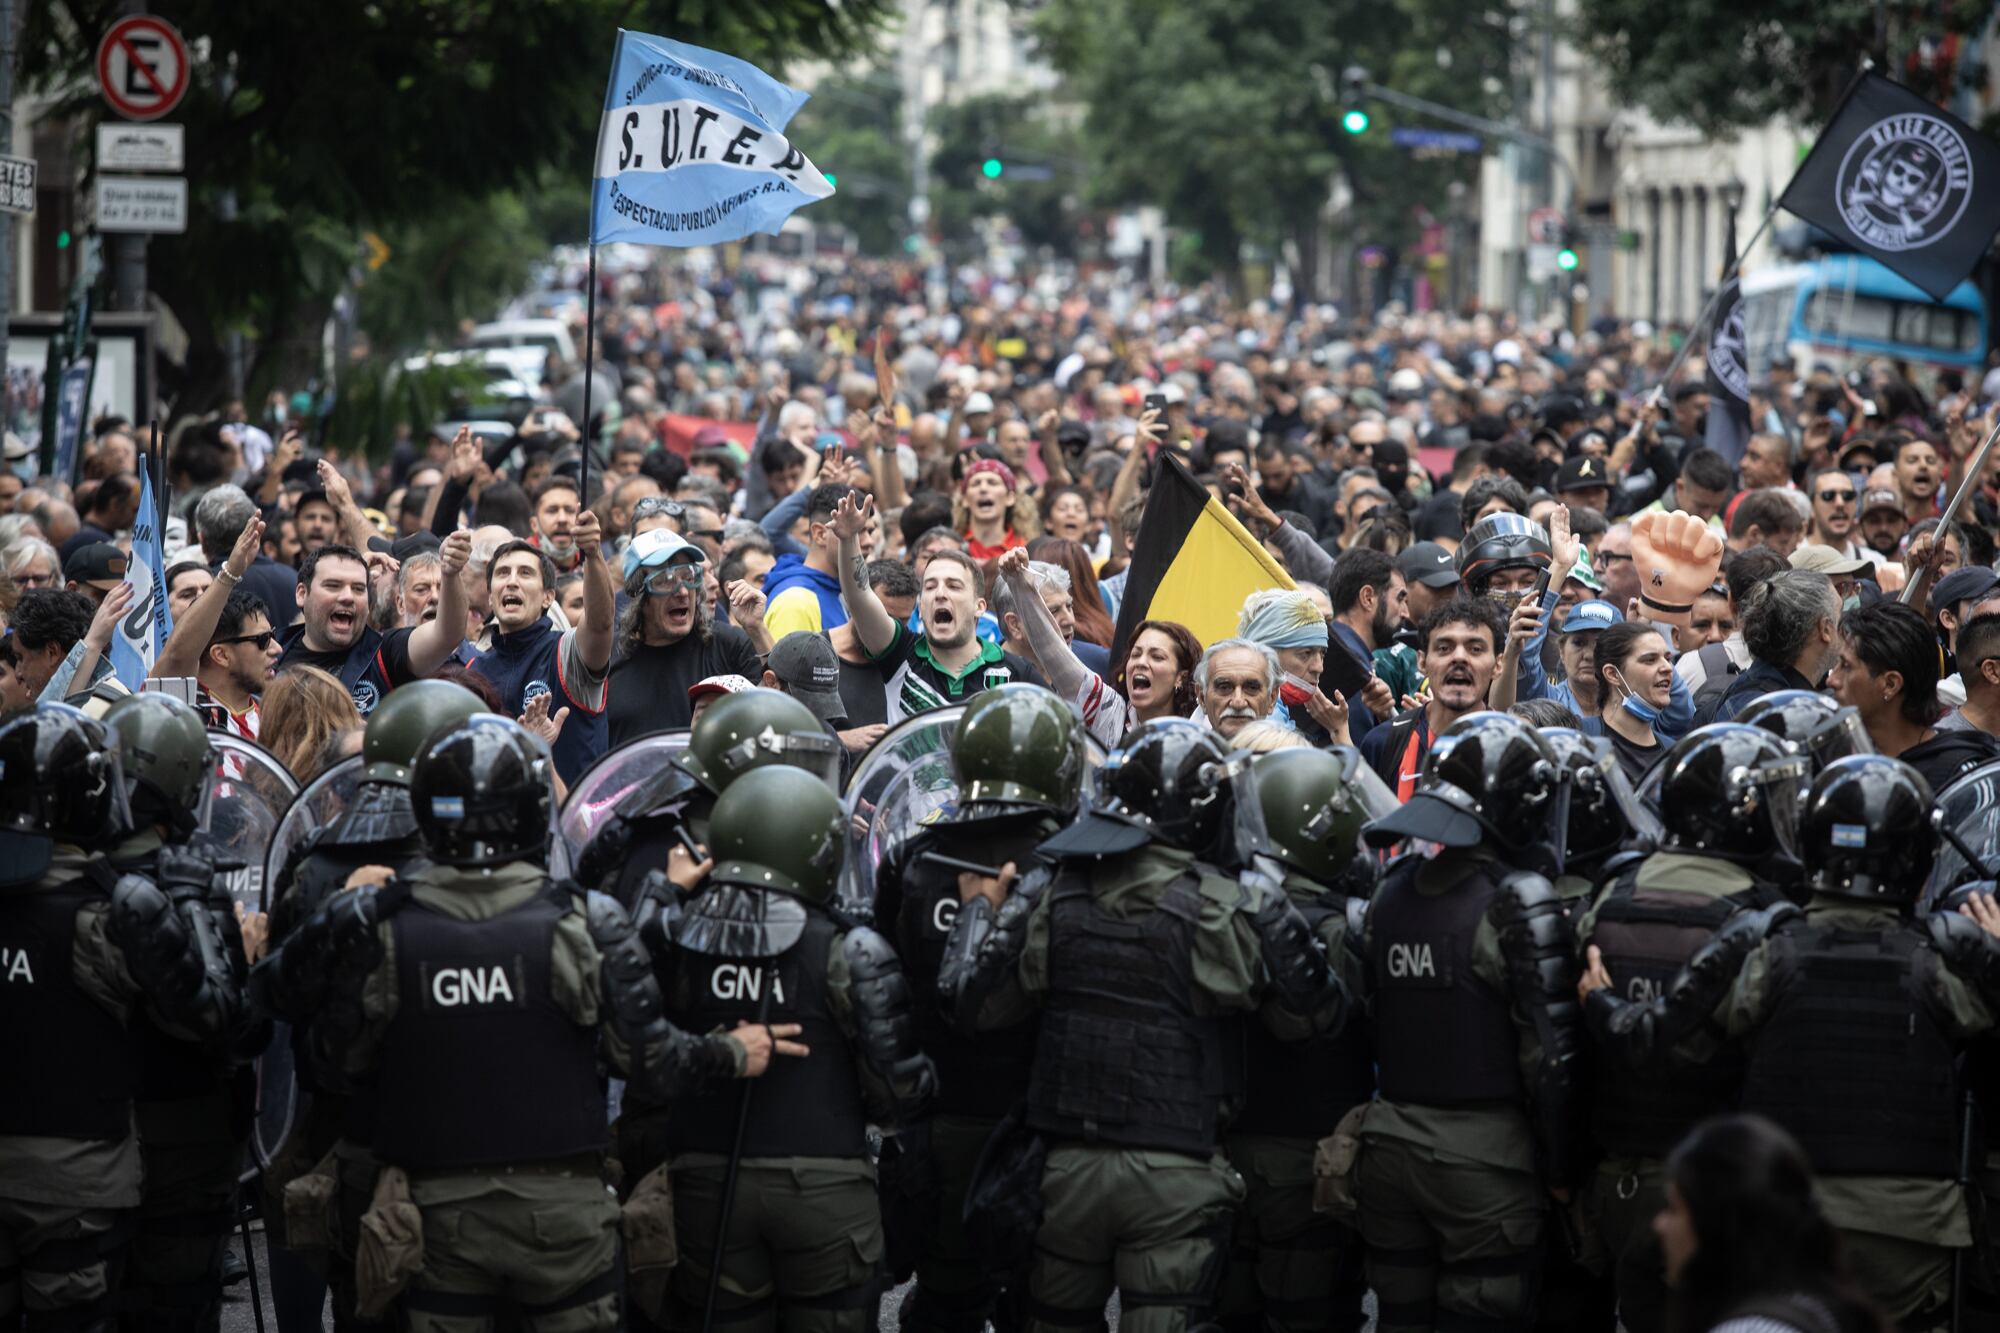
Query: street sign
x=142, y=67
x=142, y=203
x=1450, y=141
x=1545, y=226
x=17, y=184
x=122, y=146
x=1541, y=261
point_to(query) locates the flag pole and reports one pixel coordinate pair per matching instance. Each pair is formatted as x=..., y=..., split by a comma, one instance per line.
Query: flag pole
x=1973, y=472
x=583, y=495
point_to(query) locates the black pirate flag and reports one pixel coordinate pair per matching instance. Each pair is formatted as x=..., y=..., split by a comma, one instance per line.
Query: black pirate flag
x=1728, y=430
x=1903, y=181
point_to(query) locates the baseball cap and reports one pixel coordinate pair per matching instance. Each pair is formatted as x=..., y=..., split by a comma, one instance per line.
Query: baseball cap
x=1584, y=571
x=1429, y=564
x=1966, y=584
x=805, y=665
x=1880, y=498
x=649, y=550
x=1815, y=559
x=1439, y=813
x=1593, y=614
x=978, y=402
x=415, y=544
x=95, y=563
x=713, y=685
x=1581, y=473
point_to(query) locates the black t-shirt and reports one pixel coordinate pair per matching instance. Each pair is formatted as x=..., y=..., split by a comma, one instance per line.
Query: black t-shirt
x=376, y=664
x=861, y=692
x=276, y=586
x=1634, y=760
x=649, y=685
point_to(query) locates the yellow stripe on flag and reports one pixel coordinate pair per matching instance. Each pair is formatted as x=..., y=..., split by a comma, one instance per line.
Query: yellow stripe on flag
x=1219, y=564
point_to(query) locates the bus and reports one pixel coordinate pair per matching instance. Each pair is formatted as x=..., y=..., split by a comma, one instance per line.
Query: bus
x=1845, y=308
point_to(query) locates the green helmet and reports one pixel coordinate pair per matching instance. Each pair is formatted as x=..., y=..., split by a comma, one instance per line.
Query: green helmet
x=779, y=828
x=163, y=749
x=1314, y=804
x=1018, y=745
x=411, y=715
x=754, y=729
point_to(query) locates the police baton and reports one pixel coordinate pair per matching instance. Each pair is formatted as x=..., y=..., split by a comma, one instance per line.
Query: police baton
x=764, y=989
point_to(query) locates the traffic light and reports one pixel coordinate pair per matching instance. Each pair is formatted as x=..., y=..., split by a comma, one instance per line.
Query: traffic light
x=62, y=239
x=1354, y=120
x=1353, y=92
x=992, y=168
x=1566, y=259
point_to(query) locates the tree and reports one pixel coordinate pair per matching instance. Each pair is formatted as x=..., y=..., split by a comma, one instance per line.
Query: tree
x=327, y=120
x=1724, y=66
x=852, y=130
x=1225, y=113
x=1041, y=162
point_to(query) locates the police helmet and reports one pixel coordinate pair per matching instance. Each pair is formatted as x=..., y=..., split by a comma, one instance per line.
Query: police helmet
x=1169, y=782
x=1731, y=790
x=164, y=751
x=1489, y=777
x=1602, y=812
x=1501, y=541
x=1315, y=803
x=796, y=854
x=1866, y=831
x=1018, y=746
x=1817, y=726
x=741, y=732
x=60, y=781
x=481, y=794
x=401, y=723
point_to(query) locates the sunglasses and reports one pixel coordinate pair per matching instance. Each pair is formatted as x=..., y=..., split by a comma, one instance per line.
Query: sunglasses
x=264, y=640
x=713, y=534
x=657, y=504
x=1835, y=496
x=1605, y=559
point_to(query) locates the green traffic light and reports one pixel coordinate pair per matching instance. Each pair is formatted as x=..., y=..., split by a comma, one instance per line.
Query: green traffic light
x=1566, y=260
x=992, y=168
x=1355, y=121
x=62, y=240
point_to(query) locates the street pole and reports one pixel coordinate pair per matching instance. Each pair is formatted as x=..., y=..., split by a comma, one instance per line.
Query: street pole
x=128, y=249
x=6, y=219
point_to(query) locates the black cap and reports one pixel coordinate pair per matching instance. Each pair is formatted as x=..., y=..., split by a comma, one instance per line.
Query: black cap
x=95, y=562
x=1582, y=473
x=414, y=544
x=1429, y=564
x=1968, y=583
x=1432, y=815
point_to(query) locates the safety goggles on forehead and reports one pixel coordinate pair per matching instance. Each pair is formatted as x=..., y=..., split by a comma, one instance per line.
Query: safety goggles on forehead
x=657, y=504
x=682, y=576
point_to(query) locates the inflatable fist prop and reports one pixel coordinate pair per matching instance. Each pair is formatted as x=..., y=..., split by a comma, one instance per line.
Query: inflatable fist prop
x=1676, y=556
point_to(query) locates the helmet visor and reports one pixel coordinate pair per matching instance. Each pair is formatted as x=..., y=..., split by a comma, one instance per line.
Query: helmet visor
x=1363, y=798
x=1780, y=786
x=1842, y=736
x=817, y=754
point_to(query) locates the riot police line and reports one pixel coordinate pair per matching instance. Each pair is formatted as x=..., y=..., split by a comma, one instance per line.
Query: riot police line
x=1163, y=1023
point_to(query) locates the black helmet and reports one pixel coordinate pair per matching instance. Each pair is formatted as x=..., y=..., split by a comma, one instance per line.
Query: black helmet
x=1018, y=745
x=164, y=751
x=798, y=854
x=1489, y=777
x=1817, y=726
x=1602, y=811
x=1501, y=541
x=1867, y=832
x=739, y=732
x=410, y=716
x=1169, y=781
x=60, y=781
x=481, y=795
x=1731, y=790
x=1315, y=803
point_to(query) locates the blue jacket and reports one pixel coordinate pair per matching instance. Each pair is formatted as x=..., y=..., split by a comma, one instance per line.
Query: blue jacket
x=791, y=571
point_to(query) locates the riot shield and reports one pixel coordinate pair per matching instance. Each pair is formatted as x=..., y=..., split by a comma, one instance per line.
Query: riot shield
x=904, y=782
x=1968, y=811
x=310, y=811
x=598, y=790
x=241, y=803
x=281, y=1102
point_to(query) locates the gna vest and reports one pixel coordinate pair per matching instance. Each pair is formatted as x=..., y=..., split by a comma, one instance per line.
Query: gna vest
x=1302, y=1089
x=1647, y=938
x=978, y=1075
x=807, y=1107
x=71, y=1065
x=1443, y=1036
x=1852, y=1059
x=1123, y=1057
x=480, y=1066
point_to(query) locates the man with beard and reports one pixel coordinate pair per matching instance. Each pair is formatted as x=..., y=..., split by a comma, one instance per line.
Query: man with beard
x=1834, y=496
x=1458, y=650
x=335, y=635
x=947, y=662
x=237, y=646
x=1237, y=680
x=1918, y=473
x=317, y=521
x=531, y=658
x=555, y=508
x=1883, y=522
x=1371, y=601
x=667, y=639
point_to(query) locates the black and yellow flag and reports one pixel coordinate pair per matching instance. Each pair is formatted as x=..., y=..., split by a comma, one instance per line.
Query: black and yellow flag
x=1193, y=563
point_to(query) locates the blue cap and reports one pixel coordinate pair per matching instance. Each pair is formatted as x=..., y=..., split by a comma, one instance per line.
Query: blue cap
x=1593, y=614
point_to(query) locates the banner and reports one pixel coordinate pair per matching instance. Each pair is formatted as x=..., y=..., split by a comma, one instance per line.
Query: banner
x=1193, y=562
x=135, y=644
x=1729, y=363
x=692, y=151
x=1904, y=182
x=72, y=406
x=684, y=434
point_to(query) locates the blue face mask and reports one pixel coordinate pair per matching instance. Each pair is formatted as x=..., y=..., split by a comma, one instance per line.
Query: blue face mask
x=1638, y=707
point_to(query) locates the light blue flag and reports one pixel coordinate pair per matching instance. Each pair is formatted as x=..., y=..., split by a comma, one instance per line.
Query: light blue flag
x=692, y=149
x=135, y=644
